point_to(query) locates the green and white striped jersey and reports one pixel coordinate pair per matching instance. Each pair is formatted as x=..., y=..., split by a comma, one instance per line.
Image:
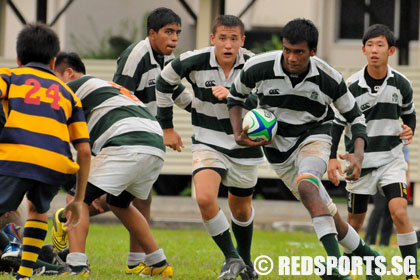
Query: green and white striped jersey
x=137, y=70
x=382, y=111
x=210, y=116
x=303, y=112
x=118, y=122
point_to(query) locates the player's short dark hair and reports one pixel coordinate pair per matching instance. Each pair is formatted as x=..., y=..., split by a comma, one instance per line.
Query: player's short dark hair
x=301, y=30
x=160, y=17
x=377, y=30
x=228, y=20
x=37, y=43
x=69, y=59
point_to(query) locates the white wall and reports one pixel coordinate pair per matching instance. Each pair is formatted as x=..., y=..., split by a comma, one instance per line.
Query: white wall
x=108, y=14
x=13, y=24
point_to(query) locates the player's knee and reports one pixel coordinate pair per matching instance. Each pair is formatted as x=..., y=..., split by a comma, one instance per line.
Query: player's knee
x=399, y=215
x=205, y=202
x=141, y=204
x=307, y=191
x=242, y=213
x=355, y=221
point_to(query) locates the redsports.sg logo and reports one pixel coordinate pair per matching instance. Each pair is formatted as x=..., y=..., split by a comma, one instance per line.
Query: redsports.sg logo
x=319, y=265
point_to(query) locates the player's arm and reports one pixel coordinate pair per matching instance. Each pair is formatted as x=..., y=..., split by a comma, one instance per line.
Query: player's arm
x=183, y=97
x=79, y=136
x=236, y=100
x=333, y=165
x=166, y=84
x=73, y=209
x=125, y=76
x=4, y=76
x=346, y=104
x=408, y=114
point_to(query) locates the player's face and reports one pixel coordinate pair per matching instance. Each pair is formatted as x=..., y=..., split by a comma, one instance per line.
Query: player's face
x=377, y=51
x=165, y=40
x=296, y=57
x=227, y=41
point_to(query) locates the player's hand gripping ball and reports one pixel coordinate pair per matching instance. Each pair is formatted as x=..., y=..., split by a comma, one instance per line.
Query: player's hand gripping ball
x=262, y=124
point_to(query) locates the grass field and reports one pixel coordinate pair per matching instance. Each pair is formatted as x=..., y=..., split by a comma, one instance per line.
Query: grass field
x=193, y=254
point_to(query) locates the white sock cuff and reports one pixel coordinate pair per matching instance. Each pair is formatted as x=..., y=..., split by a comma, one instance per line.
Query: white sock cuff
x=134, y=258
x=244, y=224
x=155, y=257
x=351, y=241
x=405, y=239
x=323, y=225
x=217, y=225
x=77, y=259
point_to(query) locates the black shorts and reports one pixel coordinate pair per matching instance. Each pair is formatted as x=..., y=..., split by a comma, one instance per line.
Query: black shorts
x=358, y=203
x=92, y=192
x=13, y=189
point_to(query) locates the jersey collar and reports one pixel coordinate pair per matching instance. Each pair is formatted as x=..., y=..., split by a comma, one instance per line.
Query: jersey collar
x=39, y=66
x=362, y=81
x=166, y=58
x=240, y=60
x=278, y=69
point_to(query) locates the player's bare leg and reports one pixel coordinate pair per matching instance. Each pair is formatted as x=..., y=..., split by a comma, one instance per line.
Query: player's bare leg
x=137, y=225
x=136, y=256
x=356, y=220
x=322, y=220
x=243, y=226
x=406, y=236
x=78, y=235
x=207, y=182
x=139, y=228
x=398, y=209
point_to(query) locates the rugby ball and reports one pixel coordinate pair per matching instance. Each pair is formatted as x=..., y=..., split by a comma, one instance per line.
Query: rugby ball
x=262, y=124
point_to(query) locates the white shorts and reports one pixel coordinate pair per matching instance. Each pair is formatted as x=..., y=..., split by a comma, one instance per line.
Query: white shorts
x=237, y=175
x=133, y=172
x=393, y=172
x=289, y=170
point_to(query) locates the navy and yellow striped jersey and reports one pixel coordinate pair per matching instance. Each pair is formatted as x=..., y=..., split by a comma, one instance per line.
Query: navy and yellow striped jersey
x=43, y=116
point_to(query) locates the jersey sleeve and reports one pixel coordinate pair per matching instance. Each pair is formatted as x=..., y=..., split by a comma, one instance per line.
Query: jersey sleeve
x=241, y=88
x=408, y=112
x=128, y=81
x=350, y=112
x=4, y=82
x=77, y=124
x=166, y=84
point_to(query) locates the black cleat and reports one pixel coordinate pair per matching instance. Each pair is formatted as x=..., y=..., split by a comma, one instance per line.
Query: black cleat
x=231, y=268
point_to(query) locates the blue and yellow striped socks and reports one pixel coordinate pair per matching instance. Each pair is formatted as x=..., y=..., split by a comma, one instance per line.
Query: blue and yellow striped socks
x=33, y=238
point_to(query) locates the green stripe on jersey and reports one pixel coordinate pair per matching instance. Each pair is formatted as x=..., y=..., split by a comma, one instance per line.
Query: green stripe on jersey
x=383, y=111
x=376, y=144
x=136, y=138
x=115, y=115
x=293, y=102
x=252, y=152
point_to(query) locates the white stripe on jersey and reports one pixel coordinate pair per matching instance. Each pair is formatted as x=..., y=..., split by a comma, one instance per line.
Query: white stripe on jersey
x=294, y=117
x=134, y=58
x=108, y=105
x=382, y=127
x=89, y=86
x=124, y=126
x=331, y=72
x=169, y=75
x=375, y=159
x=145, y=77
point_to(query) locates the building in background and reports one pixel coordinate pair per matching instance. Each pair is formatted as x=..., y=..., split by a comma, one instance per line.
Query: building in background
x=87, y=25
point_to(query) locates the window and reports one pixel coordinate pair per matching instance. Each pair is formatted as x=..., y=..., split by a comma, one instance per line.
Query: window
x=355, y=16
